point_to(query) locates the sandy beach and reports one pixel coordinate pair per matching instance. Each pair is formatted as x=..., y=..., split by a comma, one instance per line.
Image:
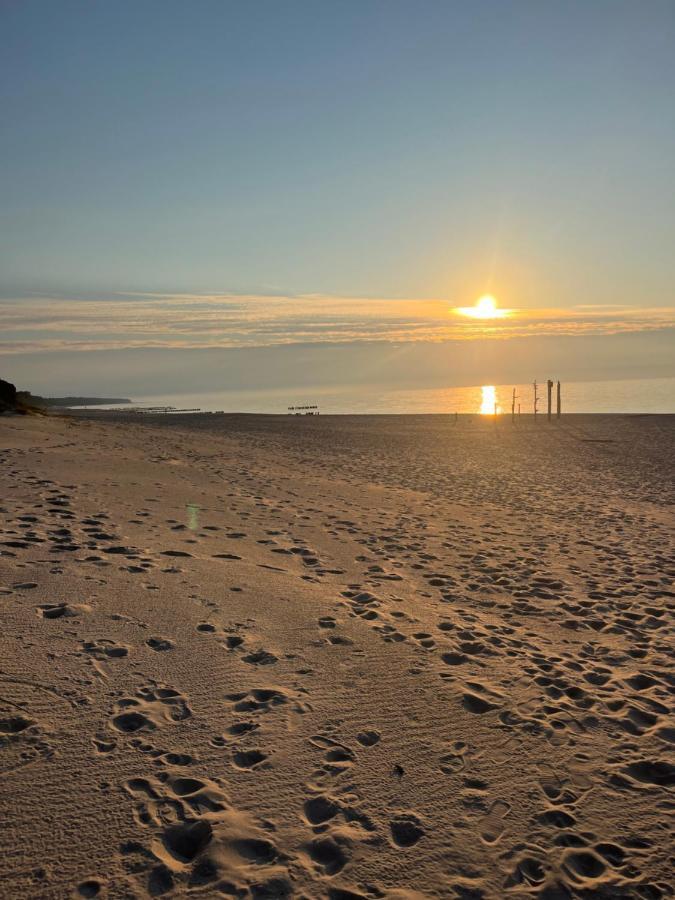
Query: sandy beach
x=336, y=657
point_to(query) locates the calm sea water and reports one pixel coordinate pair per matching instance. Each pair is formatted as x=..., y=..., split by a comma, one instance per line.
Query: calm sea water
x=654, y=395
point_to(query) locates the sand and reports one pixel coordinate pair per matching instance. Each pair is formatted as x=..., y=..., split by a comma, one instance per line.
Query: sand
x=358, y=657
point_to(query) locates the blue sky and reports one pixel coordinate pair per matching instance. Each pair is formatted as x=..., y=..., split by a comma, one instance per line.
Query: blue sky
x=375, y=150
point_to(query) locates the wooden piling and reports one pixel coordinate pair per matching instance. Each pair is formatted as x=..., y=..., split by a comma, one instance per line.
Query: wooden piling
x=549, y=386
x=557, y=403
x=536, y=399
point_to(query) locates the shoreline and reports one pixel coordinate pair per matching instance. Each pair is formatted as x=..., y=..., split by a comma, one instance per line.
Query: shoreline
x=652, y=395
x=504, y=417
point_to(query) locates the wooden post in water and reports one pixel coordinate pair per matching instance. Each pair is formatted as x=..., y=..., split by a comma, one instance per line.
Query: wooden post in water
x=513, y=407
x=557, y=402
x=549, y=385
x=536, y=400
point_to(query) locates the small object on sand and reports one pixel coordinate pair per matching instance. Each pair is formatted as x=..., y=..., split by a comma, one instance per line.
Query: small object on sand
x=399, y=771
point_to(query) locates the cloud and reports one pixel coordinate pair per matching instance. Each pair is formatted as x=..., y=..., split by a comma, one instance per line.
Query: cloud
x=208, y=321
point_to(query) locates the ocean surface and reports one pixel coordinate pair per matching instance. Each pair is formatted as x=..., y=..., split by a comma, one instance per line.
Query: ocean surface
x=653, y=395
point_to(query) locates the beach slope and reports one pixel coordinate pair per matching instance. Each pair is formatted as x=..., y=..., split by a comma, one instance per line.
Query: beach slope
x=349, y=657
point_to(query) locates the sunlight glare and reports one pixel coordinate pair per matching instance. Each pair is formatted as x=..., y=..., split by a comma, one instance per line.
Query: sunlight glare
x=488, y=400
x=485, y=308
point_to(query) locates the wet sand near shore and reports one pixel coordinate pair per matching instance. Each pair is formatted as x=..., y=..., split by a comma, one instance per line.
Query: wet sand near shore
x=336, y=657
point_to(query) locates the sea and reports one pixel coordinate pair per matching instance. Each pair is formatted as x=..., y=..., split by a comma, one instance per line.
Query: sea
x=648, y=395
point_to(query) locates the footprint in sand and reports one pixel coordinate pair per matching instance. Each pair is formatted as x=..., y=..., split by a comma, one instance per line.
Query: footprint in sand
x=455, y=761
x=62, y=610
x=480, y=698
x=492, y=825
x=338, y=757
x=368, y=738
x=646, y=773
x=236, y=730
x=105, y=649
x=329, y=855
x=583, y=866
x=167, y=797
x=260, y=658
x=258, y=700
x=92, y=887
x=321, y=809
x=340, y=640
x=159, y=644
x=406, y=830
x=362, y=603
x=232, y=641
x=552, y=786
x=528, y=871
x=103, y=744
x=424, y=639
x=389, y=633
x=556, y=818
x=151, y=708
x=249, y=759
x=197, y=838
x=13, y=725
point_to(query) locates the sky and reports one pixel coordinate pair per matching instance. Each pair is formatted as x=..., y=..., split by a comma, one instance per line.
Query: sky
x=189, y=181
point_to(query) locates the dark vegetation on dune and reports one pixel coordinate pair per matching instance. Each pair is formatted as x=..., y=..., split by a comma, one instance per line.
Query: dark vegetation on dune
x=47, y=402
x=19, y=402
x=10, y=399
x=23, y=402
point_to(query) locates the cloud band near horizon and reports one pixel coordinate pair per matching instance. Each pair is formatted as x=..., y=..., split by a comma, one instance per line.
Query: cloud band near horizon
x=193, y=321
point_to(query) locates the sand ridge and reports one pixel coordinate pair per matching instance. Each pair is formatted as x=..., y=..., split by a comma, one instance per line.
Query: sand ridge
x=348, y=657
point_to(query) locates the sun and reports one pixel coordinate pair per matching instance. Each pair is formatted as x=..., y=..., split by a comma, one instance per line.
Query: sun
x=485, y=308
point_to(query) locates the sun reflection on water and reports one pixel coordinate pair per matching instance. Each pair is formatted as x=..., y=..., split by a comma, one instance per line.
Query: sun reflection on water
x=488, y=403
